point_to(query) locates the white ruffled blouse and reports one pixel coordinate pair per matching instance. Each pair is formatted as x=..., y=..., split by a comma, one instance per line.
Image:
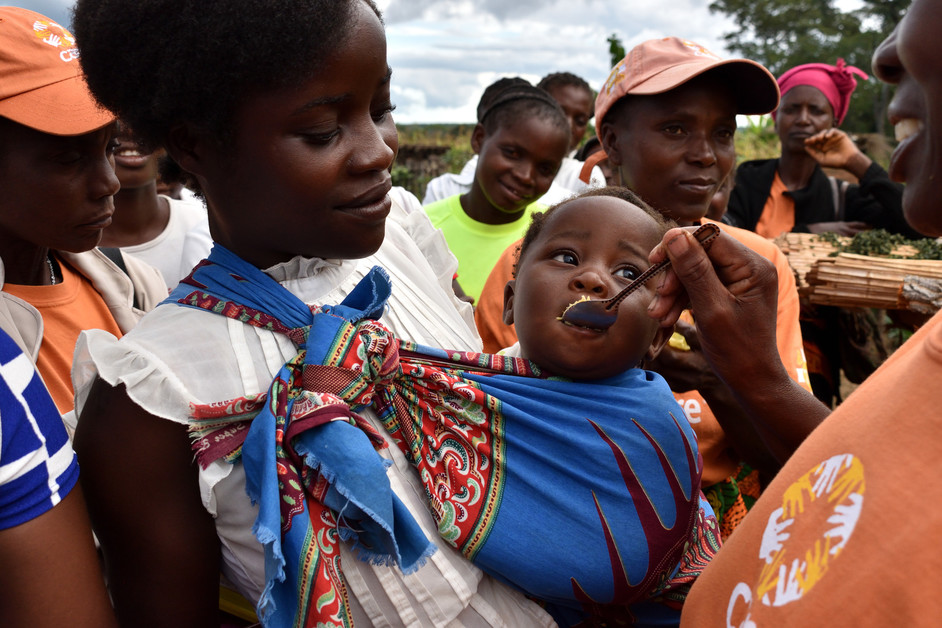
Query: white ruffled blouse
x=178, y=355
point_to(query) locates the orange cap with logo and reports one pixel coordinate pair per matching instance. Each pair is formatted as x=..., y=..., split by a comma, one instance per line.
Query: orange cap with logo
x=660, y=65
x=41, y=82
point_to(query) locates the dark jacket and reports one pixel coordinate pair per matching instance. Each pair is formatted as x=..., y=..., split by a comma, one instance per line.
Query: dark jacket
x=877, y=201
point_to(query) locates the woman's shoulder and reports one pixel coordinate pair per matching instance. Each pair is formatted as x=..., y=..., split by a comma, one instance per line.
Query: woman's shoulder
x=755, y=168
x=167, y=355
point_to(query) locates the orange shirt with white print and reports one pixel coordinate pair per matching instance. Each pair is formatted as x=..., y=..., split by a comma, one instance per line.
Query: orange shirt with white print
x=67, y=308
x=847, y=532
x=718, y=461
x=778, y=214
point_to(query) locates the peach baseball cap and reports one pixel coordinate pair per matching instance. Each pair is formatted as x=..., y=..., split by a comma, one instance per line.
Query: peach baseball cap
x=660, y=65
x=41, y=82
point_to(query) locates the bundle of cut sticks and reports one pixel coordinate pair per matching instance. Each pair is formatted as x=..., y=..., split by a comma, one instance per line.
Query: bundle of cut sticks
x=849, y=280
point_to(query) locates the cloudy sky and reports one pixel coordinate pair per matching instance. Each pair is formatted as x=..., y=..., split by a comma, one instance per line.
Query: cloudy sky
x=444, y=53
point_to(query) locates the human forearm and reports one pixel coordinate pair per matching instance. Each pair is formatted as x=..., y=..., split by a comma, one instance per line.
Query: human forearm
x=687, y=370
x=734, y=295
x=879, y=200
x=857, y=164
x=51, y=576
x=163, y=547
x=739, y=428
x=779, y=411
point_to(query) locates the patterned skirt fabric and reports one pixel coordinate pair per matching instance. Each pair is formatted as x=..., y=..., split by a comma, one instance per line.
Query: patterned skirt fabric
x=732, y=498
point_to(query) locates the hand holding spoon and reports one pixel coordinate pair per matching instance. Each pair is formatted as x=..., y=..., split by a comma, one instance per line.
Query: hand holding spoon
x=602, y=314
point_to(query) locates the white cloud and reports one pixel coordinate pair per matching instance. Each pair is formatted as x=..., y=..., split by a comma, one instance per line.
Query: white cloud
x=450, y=51
x=445, y=52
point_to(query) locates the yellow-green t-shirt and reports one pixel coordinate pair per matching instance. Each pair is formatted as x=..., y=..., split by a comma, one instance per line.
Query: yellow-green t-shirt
x=476, y=245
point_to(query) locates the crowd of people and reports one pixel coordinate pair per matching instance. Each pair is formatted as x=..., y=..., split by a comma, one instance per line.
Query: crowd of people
x=302, y=384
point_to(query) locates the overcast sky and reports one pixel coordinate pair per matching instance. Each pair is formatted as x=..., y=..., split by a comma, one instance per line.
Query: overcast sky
x=444, y=53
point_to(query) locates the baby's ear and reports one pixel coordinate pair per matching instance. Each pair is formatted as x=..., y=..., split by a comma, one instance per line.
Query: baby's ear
x=477, y=138
x=661, y=337
x=509, y=302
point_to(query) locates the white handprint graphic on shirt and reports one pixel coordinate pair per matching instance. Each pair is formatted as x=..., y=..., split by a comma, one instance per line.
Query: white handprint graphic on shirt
x=828, y=471
x=845, y=519
x=774, y=535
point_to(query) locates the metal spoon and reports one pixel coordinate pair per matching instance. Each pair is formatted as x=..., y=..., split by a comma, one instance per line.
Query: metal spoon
x=602, y=314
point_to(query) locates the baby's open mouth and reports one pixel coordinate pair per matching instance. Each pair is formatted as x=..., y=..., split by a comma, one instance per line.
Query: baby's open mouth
x=562, y=317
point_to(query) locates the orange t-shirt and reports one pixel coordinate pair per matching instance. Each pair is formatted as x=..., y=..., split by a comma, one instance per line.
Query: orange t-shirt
x=67, y=308
x=717, y=462
x=847, y=532
x=778, y=214
x=489, y=308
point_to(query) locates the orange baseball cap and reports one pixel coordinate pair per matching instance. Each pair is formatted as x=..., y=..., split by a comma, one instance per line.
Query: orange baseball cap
x=41, y=82
x=660, y=65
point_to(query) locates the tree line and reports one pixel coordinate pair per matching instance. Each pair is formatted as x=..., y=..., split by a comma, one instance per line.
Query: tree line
x=781, y=34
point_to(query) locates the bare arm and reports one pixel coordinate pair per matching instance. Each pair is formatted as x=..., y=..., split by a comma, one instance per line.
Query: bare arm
x=50, y=573
x=689, y=370
x=733, y=292
x=159, y=543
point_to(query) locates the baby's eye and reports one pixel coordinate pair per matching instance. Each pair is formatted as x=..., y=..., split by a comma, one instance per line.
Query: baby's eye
x=628, y=272
x=566, y=258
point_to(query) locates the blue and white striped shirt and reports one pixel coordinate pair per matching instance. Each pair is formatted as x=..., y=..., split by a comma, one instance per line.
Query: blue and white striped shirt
x=37, y=464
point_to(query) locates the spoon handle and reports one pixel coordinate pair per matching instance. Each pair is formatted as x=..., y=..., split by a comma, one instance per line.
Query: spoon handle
x=704, y=235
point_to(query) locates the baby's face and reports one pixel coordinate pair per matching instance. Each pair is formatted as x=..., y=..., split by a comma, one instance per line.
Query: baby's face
x=591, y=247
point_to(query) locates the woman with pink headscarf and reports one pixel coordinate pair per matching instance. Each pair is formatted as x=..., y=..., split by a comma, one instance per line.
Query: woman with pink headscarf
x=792, y=193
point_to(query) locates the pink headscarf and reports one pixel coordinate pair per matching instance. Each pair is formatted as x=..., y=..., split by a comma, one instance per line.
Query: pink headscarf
x=837, y=83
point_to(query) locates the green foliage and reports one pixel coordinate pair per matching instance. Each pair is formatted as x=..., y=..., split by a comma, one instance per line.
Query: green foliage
x=435, y=134
x=457, y=156
x=457, y=137
x=781, y=34
x=881, y=243
x=616, y=49
x=402, y=176
x=757, y=140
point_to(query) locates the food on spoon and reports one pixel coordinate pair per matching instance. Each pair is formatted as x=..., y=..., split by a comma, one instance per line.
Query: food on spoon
x=568, y=307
